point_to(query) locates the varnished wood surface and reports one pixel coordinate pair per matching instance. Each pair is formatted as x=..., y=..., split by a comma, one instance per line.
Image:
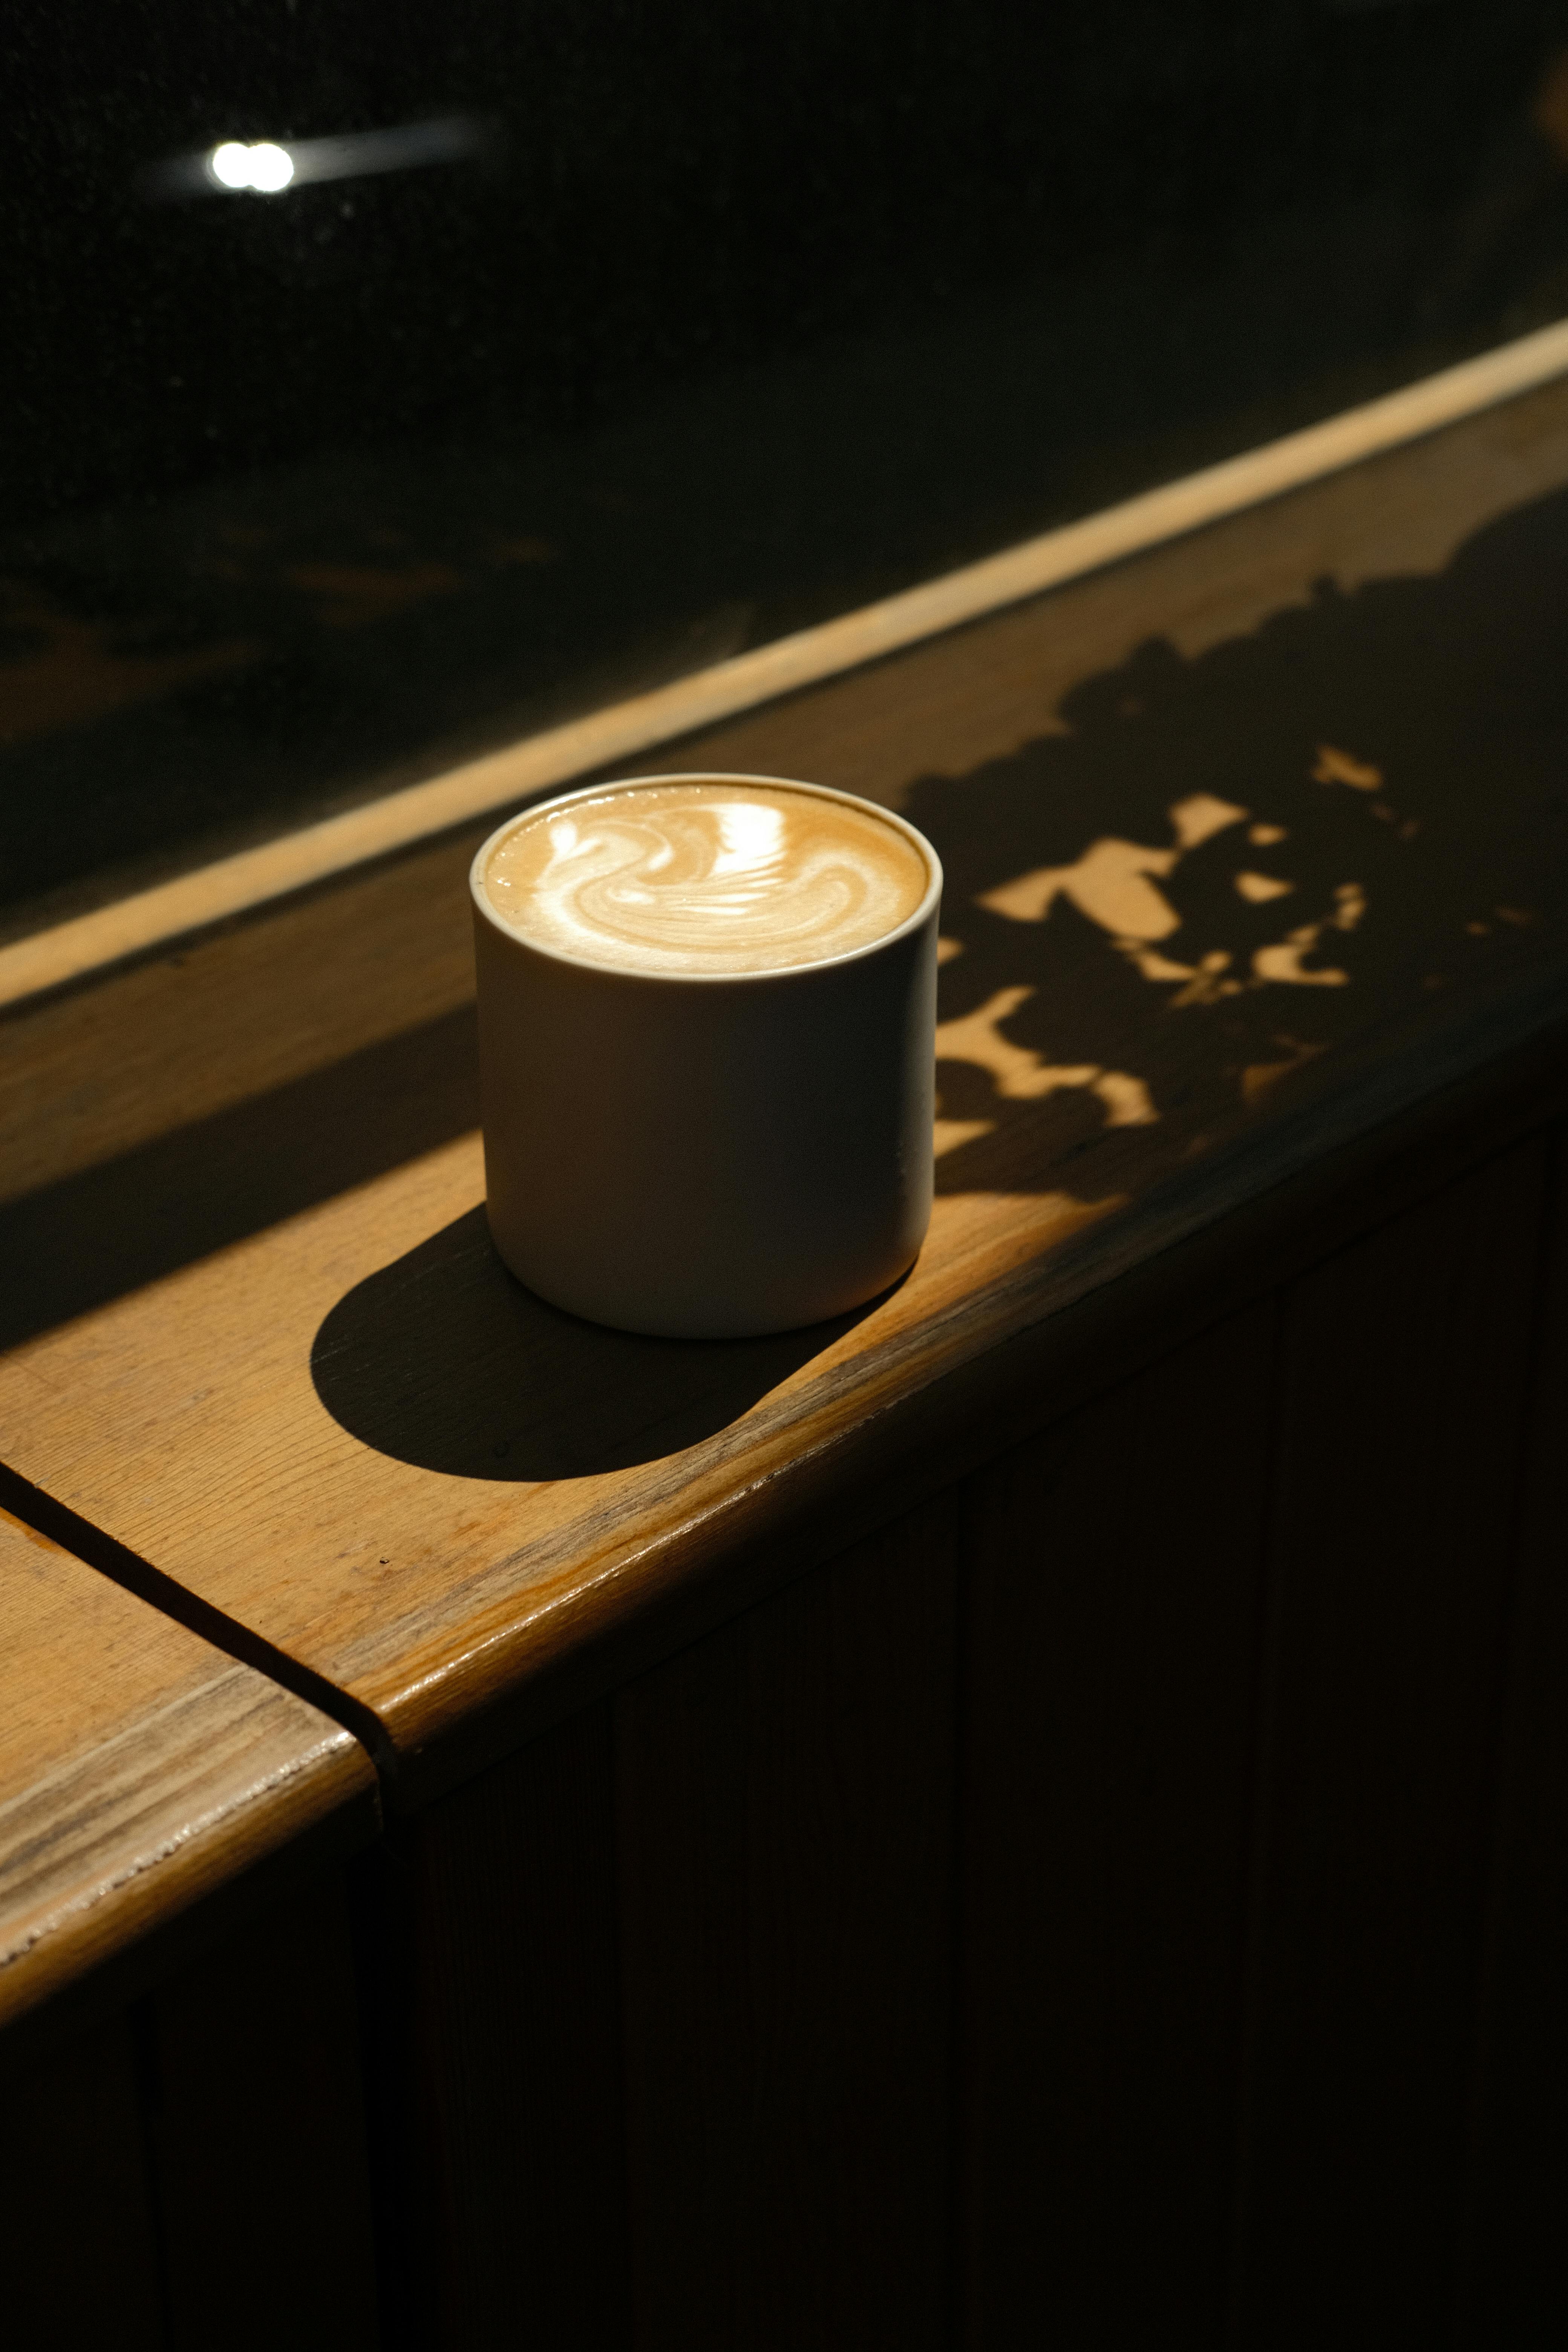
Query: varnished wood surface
x=342, y=1426
x=625, y=731
x=701, y=1939
x=1118, y=1902
x=140, y=1769
x=88, y=1077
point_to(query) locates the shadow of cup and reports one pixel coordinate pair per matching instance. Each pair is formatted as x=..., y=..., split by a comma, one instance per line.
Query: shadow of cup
x=443, y=1360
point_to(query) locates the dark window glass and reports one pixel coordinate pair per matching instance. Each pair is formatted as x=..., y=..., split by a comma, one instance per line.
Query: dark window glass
x=590, y=341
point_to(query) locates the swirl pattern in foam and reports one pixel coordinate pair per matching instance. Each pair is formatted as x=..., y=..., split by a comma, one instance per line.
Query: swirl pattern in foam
x=719, y=875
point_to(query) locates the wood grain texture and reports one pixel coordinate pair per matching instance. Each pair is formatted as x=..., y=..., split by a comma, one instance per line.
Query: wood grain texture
x=785, y=1829
x=1115, y=1577
x=333, y=1418
x=89, y=1075
x=140, y=1769
x=625, y=731
x=1512, y=2268
x=1406, y=1371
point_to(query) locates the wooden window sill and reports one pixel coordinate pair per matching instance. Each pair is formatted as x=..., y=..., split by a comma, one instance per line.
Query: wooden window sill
x=145, y=1775
x=260, y=1342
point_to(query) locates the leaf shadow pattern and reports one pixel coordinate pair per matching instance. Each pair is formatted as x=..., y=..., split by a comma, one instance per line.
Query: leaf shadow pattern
x=1224, y=866
x=1222, y=869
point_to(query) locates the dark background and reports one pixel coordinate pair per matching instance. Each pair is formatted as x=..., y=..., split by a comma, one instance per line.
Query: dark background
x=735, y=317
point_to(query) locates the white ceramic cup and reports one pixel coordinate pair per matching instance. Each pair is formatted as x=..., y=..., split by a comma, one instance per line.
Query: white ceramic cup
x=703, y=1155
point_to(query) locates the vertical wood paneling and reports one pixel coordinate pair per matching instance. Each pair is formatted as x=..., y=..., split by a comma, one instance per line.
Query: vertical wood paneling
x=1406, y=1373
x=519, y=2003
x=1516, y=2243
x=196, y=2172
x=1114, y=1579
x=79, y=2259
x=256, y=2120
x=785, y=1806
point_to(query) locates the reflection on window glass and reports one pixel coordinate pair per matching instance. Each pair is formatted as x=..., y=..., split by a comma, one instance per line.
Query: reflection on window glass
x=382, y=384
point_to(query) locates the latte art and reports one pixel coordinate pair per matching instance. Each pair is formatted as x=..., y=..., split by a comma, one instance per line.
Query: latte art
x=707, y=877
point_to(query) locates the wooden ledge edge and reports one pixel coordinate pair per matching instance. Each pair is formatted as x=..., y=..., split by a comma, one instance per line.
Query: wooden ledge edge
x=230, y=887
x=38, y=1509
x=96, y=1946
x=644, y=1602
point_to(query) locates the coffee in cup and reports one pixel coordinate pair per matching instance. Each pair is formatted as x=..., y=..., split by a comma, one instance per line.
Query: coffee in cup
x=707, y=876
x=707, y=1018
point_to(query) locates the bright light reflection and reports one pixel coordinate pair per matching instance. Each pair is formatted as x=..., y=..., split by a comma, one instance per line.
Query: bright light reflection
x=264, y=166
x=752, y=836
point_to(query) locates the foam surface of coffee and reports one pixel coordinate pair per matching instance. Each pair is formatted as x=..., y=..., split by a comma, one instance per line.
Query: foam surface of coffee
x=716, y=877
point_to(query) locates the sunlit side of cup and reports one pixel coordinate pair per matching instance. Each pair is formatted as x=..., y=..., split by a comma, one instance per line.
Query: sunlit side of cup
x=700, y=1155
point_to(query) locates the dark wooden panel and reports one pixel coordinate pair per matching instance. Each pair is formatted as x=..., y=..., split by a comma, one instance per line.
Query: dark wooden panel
x=785, y=1792
x=1115, y=1575
x=520, y=2172
x=80, y=2257
x=1406, y=1367
x=1516, y=2283
x=195, y=2171
x=256, y=2121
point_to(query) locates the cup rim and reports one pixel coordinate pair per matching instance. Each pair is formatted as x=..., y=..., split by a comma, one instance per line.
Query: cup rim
x=929, y=900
